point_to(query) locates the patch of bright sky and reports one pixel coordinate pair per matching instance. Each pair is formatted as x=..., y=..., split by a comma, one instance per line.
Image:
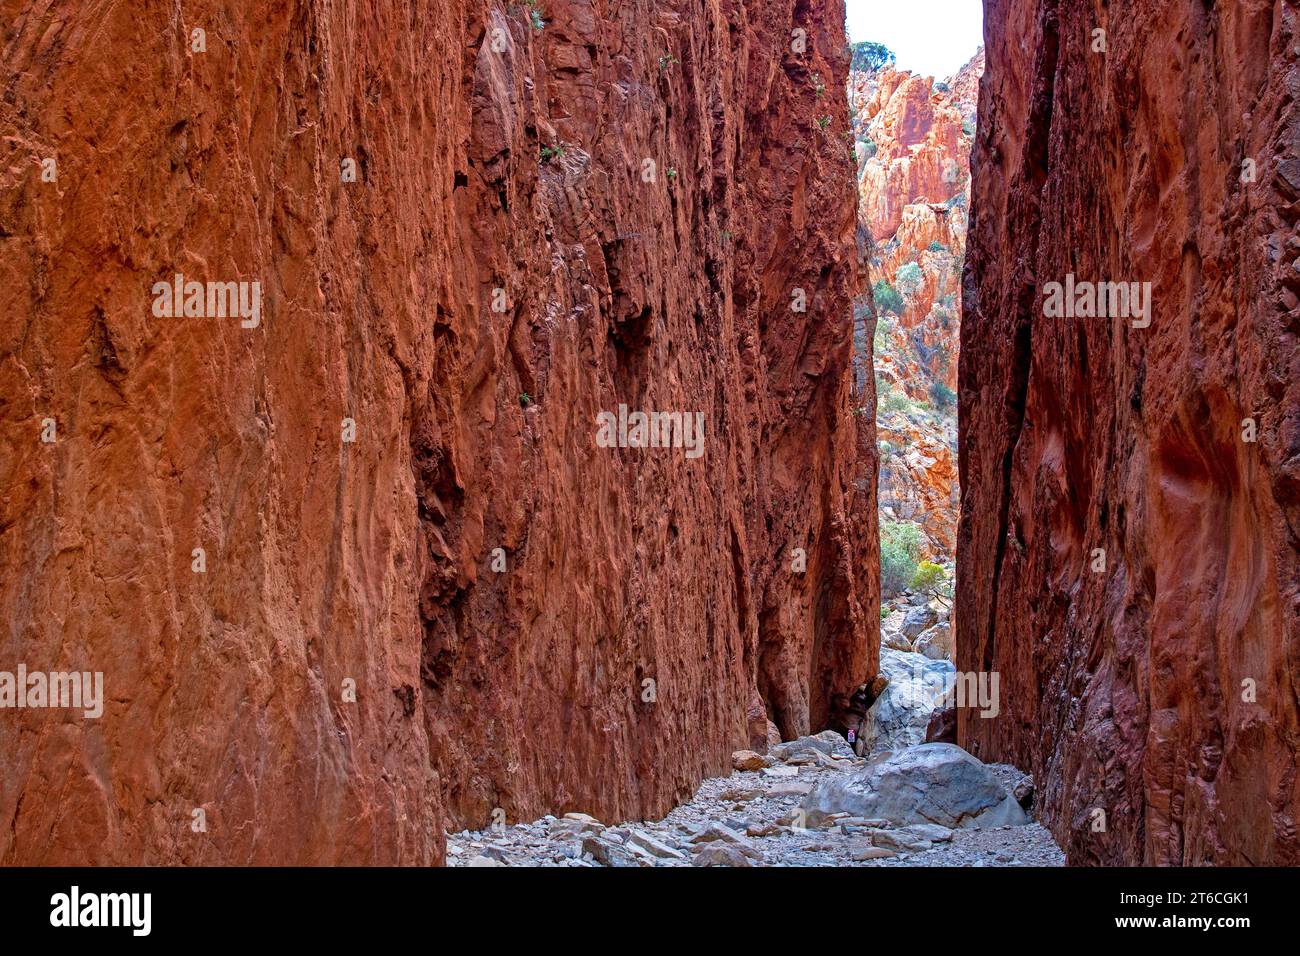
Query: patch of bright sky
x=931, y=37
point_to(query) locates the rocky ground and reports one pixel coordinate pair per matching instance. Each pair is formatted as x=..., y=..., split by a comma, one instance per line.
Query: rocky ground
x=759, y=817
x=901, y=796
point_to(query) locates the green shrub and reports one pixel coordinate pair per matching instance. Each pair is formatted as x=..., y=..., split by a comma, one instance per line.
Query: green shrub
x=896, y=402
x=928, y=576
x=900, y=552
x=887, y=298
x=938, y=246
x=943, y=396
x=908, y=279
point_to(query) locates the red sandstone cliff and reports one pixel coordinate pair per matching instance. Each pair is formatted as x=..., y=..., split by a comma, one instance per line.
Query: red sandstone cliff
x=1155, y=697
x=647, y=621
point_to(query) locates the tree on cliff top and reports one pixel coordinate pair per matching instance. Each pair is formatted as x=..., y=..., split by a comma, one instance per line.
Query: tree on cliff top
x=869, y=57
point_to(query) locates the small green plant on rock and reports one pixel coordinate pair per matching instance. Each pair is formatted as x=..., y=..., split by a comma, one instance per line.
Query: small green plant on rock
x=535, y=16
x=525, y=399
x=552, y=152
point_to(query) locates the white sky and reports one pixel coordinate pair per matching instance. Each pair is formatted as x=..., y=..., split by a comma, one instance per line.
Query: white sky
x=933, y=37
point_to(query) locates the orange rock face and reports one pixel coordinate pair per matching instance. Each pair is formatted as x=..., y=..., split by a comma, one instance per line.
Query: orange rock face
x=915, y=140
x=359, y=571
x=1128, y=556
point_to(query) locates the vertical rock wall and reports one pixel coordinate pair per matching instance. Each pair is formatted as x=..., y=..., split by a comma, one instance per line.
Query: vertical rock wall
x=647, y=620
x=1152, y=689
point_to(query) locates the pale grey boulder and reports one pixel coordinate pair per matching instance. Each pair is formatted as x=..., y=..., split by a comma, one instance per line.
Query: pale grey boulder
x=929, y=783
x=899, y=716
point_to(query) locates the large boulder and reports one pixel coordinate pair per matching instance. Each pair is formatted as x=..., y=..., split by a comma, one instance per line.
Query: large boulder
x=935, y=643
x=896, y=640
x=827, y=743
x=929, y=783
x=899, y=716
x=918, y=620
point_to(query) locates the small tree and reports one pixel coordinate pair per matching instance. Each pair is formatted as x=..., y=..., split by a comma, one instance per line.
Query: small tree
x=928, y=577
x=900, y=552
x=870, y=57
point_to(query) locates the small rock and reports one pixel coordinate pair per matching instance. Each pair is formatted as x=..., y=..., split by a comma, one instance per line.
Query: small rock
x=928, y=831
x=720, y=834
x=572, y=827
x=607, y=853
x=900, y=840
x=720, y=854
x=479, y=860
x=896, y=640
x=866, y=850
x=942, y=728
x=748, y=760
x=781, y=771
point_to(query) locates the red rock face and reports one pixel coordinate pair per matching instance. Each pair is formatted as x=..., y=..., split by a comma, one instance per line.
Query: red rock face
x=1156, y=683
x=651, y=611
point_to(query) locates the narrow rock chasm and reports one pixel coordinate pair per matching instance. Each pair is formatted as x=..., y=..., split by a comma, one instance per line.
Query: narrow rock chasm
x=649, y=433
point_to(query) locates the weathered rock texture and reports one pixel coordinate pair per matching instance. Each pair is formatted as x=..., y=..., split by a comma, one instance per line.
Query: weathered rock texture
x=372, y=561
x=1123, y=689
